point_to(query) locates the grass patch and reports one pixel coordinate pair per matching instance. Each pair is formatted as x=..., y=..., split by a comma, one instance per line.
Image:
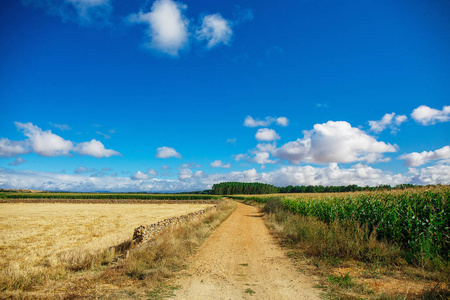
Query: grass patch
x=244, y=265
x=344, y=281
x=250, y=291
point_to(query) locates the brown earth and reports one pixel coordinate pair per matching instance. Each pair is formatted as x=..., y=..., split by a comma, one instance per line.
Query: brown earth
x=241, y=260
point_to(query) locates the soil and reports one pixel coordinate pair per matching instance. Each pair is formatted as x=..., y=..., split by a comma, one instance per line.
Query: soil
x=241, y=260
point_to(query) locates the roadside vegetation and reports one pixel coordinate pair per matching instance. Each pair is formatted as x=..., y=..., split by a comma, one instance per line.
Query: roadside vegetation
x=363, y=243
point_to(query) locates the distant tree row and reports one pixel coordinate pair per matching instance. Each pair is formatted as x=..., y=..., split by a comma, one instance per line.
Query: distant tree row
x=236, y=188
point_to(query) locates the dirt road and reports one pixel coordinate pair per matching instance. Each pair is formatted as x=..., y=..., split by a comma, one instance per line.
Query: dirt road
x=241, y=260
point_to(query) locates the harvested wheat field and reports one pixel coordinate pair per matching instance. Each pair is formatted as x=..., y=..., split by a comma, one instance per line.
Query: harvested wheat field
x=40, y=239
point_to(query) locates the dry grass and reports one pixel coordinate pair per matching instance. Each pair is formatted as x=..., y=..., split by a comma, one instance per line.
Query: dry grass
x=143, y=275
x=44, y=241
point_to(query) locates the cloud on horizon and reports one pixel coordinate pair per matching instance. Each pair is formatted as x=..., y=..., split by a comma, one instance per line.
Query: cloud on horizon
x=332, y=174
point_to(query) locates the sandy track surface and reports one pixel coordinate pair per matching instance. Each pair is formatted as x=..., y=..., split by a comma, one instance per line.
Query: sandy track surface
x=241, y=260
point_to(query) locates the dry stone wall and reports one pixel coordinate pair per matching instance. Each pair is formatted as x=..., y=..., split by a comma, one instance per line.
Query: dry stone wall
x=148, y=233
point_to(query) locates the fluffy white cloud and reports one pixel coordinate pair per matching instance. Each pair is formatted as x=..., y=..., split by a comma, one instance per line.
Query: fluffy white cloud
x=13, y=148
x=429, y=116
x=215, y=30
x=263, y=158
x=239, y=157
x=152, y=172
x=45, y=143
x=250, y=122
x=388, y=120
x=282, y=121
x=334, y=142
x=417, y=159
x=185, y=174
x=167, y=26
x=219, y=164
x=94, y=148
x=439, y=173
x=266, y=135
x=18, y=161
x=139, y=176
x=166, y=152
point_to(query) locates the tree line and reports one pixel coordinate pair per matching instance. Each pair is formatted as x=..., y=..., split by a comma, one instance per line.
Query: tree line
x=237, y=188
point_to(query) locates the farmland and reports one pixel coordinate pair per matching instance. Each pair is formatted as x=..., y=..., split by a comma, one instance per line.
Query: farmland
x=417, y=220
x=45, y=238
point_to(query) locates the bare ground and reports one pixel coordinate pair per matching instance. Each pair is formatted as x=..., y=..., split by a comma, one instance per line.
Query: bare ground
x=241, y=260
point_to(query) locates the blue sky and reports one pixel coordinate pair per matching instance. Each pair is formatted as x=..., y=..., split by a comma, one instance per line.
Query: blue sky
x=175, y=96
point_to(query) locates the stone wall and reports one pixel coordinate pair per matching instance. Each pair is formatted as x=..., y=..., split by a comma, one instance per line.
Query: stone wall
x=148, y=233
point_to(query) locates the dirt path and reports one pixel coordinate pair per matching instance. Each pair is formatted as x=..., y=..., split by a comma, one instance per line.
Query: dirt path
x=241, y=260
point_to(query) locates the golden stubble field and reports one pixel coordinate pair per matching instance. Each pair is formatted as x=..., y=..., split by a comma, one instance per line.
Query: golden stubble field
x=38, y=237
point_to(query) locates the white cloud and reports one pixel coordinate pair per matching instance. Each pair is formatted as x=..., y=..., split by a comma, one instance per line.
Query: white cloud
x=84, y=12
x=139, y=176
x=192, y=165
x=45, y=143
x=266, y=135
x=152, y=172
x=250, y=122
x=334, y=142
x=436, y=174
x=282, y=121
x=185, y=174
x=399, y=119
x=239, y=157
x=220, y=164
x=262, y=158
x=215, y=30
x=95, y=148
x=429, y=116
x=415, y=159
x=165, y=167
x=167, y=26
x=166, y=152
x=13, y=148
x=18, y=161
x=388, y=120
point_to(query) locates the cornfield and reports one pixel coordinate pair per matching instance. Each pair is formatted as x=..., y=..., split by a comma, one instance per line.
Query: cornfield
x=417, y=220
